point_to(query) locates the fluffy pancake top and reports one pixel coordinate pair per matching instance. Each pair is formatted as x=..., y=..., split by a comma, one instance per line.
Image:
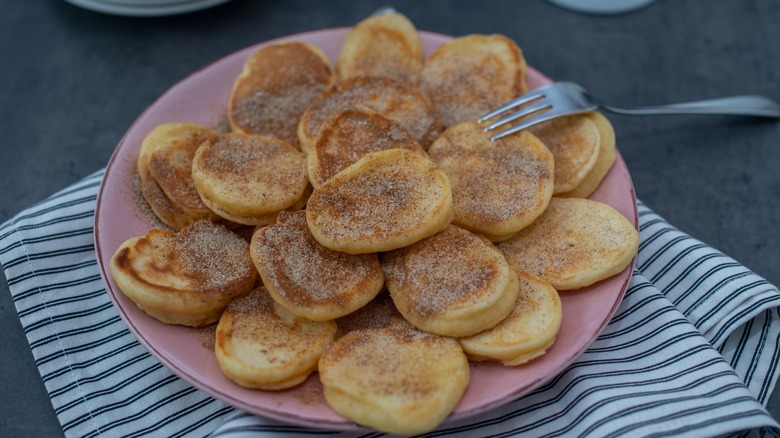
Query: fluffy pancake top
x=386, y=200
x=348, y=135
x=397, y=380
x=277, y=84
x=574, y=243
x=249, y=174
x=447, y=272
x=399, y=102
x=574, y=142
x=203, y=257
x=261, y=345
x=382, y=45
x=308, y=279
x=468, y=76
x=497, y=187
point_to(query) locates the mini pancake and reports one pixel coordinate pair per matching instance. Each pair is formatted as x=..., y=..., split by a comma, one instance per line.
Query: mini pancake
x=397, y=101
x=306, y=278
x=184, y=278
x=396, y=380
x=260, y=345
x=163, y=207
x=574, y=142
x=276, y=85
x=172, y=147
x=249, y=178
x=386, y=200
x=453, y=283
x=165, y=210
x=498, y=188
x=606, y=158
x=348, y=135
x=467, y=77
x=528, y=331
x=575, y=243
x=384, y=45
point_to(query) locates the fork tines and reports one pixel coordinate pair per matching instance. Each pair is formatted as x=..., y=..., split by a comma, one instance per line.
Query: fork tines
x=536, y=106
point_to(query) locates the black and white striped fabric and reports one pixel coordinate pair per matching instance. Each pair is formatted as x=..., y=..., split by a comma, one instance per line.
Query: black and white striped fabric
x=692, y=351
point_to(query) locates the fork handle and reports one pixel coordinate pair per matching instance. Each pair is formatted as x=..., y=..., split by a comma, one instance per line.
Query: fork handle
x=737, y=105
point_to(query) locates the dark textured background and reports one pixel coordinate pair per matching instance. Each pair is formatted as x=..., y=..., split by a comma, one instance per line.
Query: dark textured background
x=72, y=81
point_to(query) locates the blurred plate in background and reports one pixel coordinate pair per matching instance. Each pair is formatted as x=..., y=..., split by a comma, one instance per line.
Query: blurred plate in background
x=145, y=8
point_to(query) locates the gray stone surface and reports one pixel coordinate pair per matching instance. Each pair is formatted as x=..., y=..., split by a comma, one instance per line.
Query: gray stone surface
x=72, y=81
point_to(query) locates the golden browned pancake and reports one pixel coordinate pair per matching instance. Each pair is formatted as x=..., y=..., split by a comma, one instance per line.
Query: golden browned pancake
x=467, y=77
x=396, y=380
x=528, y=331
x=382, y=45
x=575, y=243
x=498, y=188
x=249, y=178
x=308, y=279
x=187, y=277
x=277, y=84
x=172, y=147
x=385, y=200
x=395, y=100
x=260, y=345
x=453, y=283
x=162, y=207
x=574, y=142
x=170, y=213
x=348, y=135
x=606, y=158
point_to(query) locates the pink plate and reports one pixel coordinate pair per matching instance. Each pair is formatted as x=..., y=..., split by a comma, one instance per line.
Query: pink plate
x=202, y=98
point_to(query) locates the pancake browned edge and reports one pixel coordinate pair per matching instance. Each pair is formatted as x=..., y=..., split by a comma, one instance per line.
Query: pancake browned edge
x=606, y=158
x=276, y=85
x=164, y=168
x=308, y=279
x=187, y=277
x=527, y=332
x=348, y=135
x=574, y=142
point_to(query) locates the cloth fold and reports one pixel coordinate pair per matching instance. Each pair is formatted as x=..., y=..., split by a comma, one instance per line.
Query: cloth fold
x=693, y=349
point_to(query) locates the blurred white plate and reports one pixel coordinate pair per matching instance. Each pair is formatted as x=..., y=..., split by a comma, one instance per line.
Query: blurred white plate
x=145, y=8
x=602, y=7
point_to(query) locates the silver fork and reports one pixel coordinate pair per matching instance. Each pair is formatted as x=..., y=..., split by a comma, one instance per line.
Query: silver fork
x=565, y=98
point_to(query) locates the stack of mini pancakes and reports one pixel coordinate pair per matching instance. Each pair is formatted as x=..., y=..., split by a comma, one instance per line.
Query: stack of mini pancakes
x=358, y=223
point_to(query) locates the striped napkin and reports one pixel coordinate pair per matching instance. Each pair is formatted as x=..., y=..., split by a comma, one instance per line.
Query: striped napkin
x=692, y=351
